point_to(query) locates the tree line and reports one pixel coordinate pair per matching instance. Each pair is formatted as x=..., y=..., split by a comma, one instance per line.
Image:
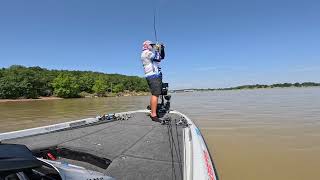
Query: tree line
x=279, y=85
x=257, y=86
x=31, y=82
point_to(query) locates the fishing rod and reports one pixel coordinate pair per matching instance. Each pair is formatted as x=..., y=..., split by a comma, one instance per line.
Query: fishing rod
x=163, y=107
x=154, y=24
x=159, y=46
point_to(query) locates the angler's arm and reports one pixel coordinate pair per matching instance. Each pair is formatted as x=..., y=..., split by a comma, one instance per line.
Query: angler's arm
x=154, y=56
x=157, y=54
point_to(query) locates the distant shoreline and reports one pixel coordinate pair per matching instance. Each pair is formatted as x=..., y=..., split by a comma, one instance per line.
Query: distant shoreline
x=24, y=99
x=59, y=98
x=145, y=94
x=254, y=87
x=19, y=82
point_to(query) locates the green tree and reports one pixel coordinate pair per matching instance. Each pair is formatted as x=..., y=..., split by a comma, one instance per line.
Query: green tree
x=2, y=72
x=118, y=88
x=65, y=85
x=86, y=82
x=297, y=84
x=9, y=88
x=30, y=82
x=100, y=86
x=19, y=81
x=142, y=85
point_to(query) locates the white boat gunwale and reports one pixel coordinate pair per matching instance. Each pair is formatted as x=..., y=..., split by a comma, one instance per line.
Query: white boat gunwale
x=196, y=154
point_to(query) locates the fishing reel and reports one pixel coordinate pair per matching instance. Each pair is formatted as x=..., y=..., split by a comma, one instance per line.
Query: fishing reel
x=159, y=47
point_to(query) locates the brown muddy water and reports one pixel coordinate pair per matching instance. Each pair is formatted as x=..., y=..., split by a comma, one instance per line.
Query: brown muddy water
x=252, y=134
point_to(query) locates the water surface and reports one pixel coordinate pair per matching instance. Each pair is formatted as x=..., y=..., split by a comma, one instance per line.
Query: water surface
x=252, y=134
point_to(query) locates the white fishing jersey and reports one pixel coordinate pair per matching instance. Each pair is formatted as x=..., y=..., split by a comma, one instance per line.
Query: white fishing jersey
x=151, y=63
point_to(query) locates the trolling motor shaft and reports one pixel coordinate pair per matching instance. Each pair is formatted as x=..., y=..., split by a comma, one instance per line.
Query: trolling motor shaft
x=164, y=106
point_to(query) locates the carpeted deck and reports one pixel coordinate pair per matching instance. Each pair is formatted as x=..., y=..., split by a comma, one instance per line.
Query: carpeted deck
x=137, y=147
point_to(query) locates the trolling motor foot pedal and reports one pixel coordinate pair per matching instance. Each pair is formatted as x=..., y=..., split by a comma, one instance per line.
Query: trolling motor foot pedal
x=165, y=120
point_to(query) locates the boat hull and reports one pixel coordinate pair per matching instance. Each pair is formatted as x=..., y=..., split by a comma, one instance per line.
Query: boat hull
x=136, y=147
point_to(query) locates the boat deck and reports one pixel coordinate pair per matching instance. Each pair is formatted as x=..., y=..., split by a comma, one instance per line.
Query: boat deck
x=137, y=147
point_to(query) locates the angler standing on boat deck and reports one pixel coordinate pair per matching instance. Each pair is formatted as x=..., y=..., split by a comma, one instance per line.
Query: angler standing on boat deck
x=151, y=56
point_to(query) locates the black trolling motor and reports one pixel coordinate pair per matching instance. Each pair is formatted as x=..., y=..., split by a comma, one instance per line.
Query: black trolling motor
x=164, y=105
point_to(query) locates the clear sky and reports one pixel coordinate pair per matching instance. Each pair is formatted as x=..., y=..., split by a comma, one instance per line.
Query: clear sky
x=210, y=43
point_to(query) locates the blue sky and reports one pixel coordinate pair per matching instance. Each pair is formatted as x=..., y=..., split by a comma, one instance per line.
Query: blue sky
x=210, y=43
